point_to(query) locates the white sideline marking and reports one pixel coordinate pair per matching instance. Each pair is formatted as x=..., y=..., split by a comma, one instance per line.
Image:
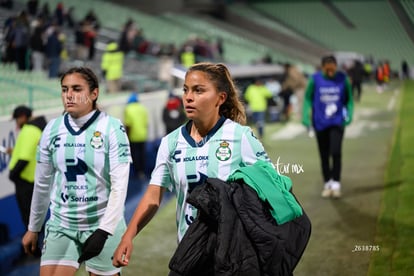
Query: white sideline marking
x=360, y=125
x=359, y=128
x=391, y=103
x=290, y=131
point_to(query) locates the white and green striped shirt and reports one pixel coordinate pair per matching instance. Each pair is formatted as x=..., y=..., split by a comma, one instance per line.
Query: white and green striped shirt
x=77, y=166
x=182, y=164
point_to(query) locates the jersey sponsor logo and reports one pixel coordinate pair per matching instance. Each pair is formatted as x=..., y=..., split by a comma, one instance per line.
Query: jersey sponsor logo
x=177, y=160
x=330, y=110
x=65, y=198
x=74, y=145
x=223, y=152
x=262, y=153
x=97, y=140
x=54, y=143
x=252, y=133
x=329, y=98
x=76, y=187
x=330, y=90
x=189, y=218
x=83, y=198
x=195, y=180
x=125, y=153
x=75, y=168
x=195, y=158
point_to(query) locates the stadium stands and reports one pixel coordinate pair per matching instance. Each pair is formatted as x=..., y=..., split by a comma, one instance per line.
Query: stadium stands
x=255, y=16
x=295, y=48
x=310, y=19
x=409, y=8
x=377, y=33
x=30, y=88
x=380, y=34
x=240, y=49
x=173, y=28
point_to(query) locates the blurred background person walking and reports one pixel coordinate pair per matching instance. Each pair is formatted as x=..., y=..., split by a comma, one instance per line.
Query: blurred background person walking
x=136, y=124
x=328, y=107
x=112, y=67
x=173, y=114
x=257, y=96
x=405, y=70
x=23, y=158
x=293, y=85
x=53, y=50
x=37, y=44
x=357, y=74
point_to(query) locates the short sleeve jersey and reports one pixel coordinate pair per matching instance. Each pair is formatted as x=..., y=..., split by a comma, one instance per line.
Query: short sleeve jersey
x=182, y=164
x=82, y=161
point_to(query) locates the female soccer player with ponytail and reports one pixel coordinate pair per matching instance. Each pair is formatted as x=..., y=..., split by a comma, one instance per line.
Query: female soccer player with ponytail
x=82, y=173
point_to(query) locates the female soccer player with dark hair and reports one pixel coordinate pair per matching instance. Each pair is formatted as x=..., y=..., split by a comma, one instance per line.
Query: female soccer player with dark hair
x=82, y=173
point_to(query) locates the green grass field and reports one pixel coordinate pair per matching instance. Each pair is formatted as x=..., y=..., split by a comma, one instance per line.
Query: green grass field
x=349, y=224
x=368, y=230
x=396, y=218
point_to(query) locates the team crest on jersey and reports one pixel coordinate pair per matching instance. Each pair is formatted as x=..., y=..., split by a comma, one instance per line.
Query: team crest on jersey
x=97, y=140
x=223, y=152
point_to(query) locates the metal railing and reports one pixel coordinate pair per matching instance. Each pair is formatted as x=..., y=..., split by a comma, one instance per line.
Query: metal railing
x=15, y=92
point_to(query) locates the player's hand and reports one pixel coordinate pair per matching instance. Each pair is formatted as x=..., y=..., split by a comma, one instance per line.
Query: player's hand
x=348, y=120
x=93, y=245
x=29, y=242
x=306, y=123
x=123, y=252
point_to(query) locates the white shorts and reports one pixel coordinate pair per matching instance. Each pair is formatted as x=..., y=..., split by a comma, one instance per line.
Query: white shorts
x=63, y=247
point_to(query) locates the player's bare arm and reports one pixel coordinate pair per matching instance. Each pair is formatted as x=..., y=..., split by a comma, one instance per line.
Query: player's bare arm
x=143, y=214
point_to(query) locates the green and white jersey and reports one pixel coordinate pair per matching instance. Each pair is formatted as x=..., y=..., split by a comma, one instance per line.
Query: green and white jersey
x=80, y=164
x=182, y=164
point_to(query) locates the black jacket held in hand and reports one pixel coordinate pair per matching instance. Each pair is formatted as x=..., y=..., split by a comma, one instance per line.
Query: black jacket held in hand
x=235, y=234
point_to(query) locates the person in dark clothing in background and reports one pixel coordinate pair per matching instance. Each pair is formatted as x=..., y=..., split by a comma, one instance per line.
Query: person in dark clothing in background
x=23, y=158
x=173, y=113
x=45, y=13
x=32, y=6
x=127, y=36
x=405, y=70
x=37, y=44
x=69, y=17
x=53, y=50
x=93, y=24
x=21, y=39
x=59, y=14
x=7, y=4
x=8, y=34
x=356, y=74
x=293, y=83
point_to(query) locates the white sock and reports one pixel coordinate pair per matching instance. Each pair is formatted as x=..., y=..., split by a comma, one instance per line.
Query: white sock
x=335, y=185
